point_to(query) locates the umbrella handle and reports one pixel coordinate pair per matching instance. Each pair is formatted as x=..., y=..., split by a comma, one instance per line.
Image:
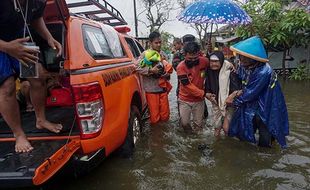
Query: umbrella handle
x=211, y=33
x=209, y=47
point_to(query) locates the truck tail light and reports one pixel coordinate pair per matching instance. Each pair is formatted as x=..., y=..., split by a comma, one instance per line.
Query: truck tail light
x=122, y=29
x=89, y=109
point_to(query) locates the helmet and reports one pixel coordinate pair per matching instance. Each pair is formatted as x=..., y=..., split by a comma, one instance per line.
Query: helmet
x=150, y=57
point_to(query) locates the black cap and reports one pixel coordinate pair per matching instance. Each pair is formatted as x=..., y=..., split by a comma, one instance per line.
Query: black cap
x=188, y=38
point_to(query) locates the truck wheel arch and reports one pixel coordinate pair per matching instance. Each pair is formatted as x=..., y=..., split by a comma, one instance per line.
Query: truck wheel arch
x=136, y=100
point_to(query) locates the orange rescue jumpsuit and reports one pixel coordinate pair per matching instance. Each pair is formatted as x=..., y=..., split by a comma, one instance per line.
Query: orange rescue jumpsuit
x=156, y=91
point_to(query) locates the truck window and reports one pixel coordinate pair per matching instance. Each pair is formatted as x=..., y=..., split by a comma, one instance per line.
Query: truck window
x=133, y=47
x=96, y=43
x=113, y=40
x=139, y=46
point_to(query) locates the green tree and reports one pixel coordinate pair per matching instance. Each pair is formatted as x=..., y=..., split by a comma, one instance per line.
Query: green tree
x=157, y=12
x=166, y=39
x=277, y=26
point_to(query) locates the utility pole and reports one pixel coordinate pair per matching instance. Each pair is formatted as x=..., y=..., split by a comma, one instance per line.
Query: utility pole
x=136, y=20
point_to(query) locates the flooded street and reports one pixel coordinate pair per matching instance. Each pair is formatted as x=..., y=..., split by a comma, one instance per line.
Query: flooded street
x=166, y=158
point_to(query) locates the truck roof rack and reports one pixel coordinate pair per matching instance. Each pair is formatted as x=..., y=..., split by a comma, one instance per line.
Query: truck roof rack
x=99, y=10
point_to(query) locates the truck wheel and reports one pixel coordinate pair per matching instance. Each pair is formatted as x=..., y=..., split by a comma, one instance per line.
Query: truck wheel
x=133, y=133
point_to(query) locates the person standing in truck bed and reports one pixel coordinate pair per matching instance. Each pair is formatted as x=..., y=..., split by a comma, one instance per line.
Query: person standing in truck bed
x=12, y=52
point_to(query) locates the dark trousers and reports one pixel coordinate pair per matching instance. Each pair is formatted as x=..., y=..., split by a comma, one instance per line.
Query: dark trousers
x=265, y=138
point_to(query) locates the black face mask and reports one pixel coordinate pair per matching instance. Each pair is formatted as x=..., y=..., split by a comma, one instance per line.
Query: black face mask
x=190, y=64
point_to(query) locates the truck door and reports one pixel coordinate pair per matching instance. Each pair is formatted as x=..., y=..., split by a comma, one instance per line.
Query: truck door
x=137, y=50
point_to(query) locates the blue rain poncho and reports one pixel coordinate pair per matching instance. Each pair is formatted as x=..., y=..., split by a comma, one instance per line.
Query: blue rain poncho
x=262, y=96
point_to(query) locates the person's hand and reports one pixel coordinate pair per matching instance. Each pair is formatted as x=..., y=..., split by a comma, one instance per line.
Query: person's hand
x=208, y=96
x=55, y=45
x=213, y=100
x=238, y=93
x=166, y=75
x=211, y=97
x=17, y=50
x=233, y=68
x=229, y=100
x=154, y=70
x=173, y=50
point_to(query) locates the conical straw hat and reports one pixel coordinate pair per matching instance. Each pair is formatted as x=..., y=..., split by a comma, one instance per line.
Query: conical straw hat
x=252, y=48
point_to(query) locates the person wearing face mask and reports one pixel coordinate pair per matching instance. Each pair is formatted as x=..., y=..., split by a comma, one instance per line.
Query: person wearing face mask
x=191, y=38
x=261, y=106
x=191, y=76
x=218, y=87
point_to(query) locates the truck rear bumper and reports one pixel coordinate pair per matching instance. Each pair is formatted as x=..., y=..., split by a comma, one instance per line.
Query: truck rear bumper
x=82, y=164
x=15, y=182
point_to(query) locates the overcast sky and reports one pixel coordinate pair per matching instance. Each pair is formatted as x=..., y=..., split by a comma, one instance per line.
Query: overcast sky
x=175, y=27
x=125, y=7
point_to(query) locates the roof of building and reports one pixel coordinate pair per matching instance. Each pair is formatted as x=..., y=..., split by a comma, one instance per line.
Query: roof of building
x=226, y=40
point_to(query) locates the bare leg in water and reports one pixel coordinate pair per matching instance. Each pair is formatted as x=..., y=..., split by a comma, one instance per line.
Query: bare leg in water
x=227, y=119
x=226, y=125
x=10, y=113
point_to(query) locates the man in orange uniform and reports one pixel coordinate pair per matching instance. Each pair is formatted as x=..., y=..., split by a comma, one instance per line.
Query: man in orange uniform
x=155, y=82
x=191, y=76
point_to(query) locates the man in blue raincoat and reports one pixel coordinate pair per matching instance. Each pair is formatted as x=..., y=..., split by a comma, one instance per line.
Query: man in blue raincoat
x=260, y=105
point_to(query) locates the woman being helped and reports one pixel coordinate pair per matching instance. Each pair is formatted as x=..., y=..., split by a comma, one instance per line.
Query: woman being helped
x=218, y=88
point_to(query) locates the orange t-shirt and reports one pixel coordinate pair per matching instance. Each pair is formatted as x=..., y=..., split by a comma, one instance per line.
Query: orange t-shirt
x=194, y=91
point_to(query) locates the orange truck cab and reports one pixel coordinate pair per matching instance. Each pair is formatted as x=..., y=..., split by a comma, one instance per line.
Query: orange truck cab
x=98, y=100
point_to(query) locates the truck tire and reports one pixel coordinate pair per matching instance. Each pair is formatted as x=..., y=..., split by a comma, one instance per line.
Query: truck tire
x=133, y=133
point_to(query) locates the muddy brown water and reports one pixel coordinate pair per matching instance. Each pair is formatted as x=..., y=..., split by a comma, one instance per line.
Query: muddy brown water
x=167, y=158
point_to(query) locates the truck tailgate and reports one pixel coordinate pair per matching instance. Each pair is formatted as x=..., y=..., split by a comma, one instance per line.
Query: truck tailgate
x=36, y=167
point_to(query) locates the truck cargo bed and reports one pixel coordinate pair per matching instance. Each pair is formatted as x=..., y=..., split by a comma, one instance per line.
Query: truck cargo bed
x=19, y=169
x=62, y=115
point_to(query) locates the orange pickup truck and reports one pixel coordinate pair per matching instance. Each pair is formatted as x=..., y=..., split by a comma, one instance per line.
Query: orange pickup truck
x=106, y=107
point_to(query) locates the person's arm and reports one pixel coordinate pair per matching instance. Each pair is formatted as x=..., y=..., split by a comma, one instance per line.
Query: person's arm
x=142, y=70
x=189, y=87
x=176, y=60
x=230, y=66
x=209, y=94
x=16, y=49
x=168, y=67
x=254, y=87
x=39, y=25
x=230, y=99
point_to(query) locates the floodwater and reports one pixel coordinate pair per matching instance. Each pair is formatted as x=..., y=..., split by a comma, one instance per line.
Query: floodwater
x=167, y=158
